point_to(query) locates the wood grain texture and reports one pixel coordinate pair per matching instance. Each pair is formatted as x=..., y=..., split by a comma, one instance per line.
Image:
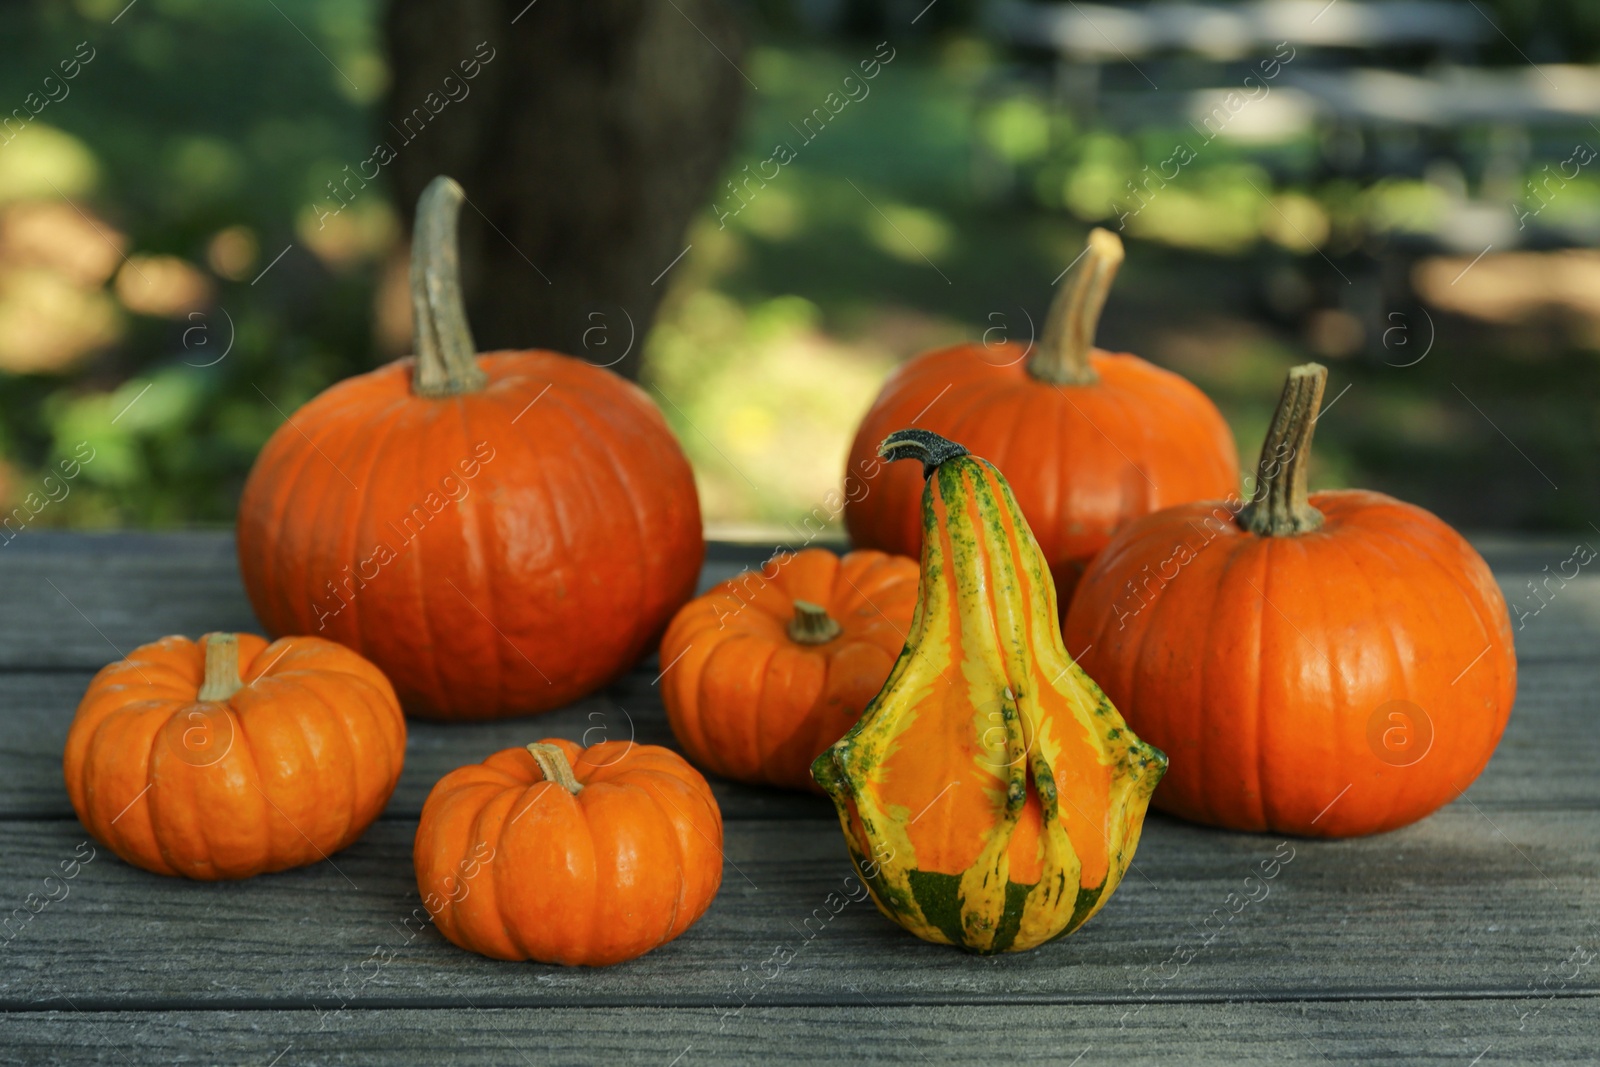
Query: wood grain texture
x=67, y=598
x=1462, y=902
x=1556, y=700
x=39, y=706
x=1473, y=933
x=1411, y=1031
x=79, y=600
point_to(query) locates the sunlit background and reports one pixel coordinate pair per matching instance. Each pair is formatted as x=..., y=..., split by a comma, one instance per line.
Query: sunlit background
x=1413, y=197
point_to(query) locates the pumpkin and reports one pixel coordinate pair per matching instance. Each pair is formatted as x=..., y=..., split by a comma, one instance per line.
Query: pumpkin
x=772, y=666
x=991, y=796
x=1088, y=440
x=571, y=855
x=500, y=533
x=1324, y=664
x=228, y=757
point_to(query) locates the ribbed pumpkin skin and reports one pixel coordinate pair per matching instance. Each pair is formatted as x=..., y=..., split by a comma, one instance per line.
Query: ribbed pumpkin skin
x=1072, y=454
x=991, y=796
x=1260, y=663
x=289, y=770
x=571, y=546
x=514, y=867
x=749, y=702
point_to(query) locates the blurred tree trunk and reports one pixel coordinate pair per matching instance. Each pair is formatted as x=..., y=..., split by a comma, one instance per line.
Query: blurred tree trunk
x=587, y=135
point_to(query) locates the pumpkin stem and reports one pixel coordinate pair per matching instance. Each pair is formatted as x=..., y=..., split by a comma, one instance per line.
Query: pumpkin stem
x=1062, y=357
x=1280, y=507
x=925, y=445
x=447, y=363
x=554, y=766
x=222, y=667
x=812, y=625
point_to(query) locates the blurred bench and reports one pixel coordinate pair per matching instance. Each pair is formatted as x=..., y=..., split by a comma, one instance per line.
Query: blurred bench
x=1084, y=32
x=1386, y=88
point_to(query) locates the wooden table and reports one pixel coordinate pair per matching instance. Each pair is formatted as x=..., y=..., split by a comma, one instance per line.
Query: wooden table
x=1472, y=937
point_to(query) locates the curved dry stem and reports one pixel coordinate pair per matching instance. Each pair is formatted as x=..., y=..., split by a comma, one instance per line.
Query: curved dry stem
x=447, y=361
x=1062, y=356
x=924, y=445
x=1280, y=506
x=554, y=766
x=222, y=667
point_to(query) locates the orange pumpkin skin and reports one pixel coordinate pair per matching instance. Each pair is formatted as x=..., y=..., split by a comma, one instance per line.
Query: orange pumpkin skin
x=1341, y=681
x=496, y=553
x=286, y=771
x=1082, y=461
x=749, y=700
x=514, y=865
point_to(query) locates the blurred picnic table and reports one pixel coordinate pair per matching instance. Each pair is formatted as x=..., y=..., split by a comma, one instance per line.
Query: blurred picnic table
x=1373, y=90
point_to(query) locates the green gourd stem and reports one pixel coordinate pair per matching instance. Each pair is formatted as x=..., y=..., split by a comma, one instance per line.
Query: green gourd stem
x=447, y=363
x=1280, y=506
x=812, y=625
x=1062, y=356
x=924, y=445
x=222, y=667
x=554, y=766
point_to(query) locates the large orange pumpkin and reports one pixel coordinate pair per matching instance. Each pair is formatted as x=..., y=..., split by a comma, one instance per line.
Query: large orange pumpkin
x=1089, y=440
x=773, y=666
x=565, y=854
x=1329, y=664
x=228, y=757
x=501, y=534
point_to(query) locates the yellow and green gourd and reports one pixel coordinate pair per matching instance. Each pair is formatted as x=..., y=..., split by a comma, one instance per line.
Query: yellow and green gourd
x=991, y=795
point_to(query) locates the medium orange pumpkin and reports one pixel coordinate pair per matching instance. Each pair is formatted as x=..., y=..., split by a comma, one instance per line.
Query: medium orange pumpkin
x=501, y=533
x=773, y=666
x=1327, y=665
x=572, y=855
x=1088, y=440
x=228, y=757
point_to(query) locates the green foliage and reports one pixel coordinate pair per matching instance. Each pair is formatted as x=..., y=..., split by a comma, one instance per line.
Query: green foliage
x=191, y=118
x=937, y=208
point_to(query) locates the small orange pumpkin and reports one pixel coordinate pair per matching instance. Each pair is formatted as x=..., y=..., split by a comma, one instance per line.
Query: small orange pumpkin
x=1330, y=664
x=1088, y=440
x=228, y=757
x=771, y=667
x=571, y=855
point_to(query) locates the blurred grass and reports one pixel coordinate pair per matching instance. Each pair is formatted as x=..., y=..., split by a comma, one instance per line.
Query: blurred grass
x=191, y=118
x=194, y=142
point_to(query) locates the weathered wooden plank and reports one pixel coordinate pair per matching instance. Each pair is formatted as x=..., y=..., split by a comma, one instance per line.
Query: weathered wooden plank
x=74, y=600
x=1410, y=1031
x=1548, y=759
x=1462, y=903
x=1485, y=900
x=81, y=600
x=37, y=710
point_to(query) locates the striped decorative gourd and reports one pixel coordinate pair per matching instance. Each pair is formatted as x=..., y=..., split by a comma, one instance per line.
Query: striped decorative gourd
x=991, y=796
